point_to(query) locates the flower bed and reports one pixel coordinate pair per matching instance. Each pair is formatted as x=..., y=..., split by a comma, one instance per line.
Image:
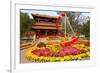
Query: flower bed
x=66, y=50
x=68, y=53
x=36, y=58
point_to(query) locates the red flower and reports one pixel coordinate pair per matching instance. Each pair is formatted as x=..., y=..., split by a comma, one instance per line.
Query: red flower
x=68, y=50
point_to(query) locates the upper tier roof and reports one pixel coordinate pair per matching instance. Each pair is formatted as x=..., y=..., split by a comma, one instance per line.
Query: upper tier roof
x=45, y=16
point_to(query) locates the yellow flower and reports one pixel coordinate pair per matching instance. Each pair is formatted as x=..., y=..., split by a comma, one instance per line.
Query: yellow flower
x=79, y=57
x=88, y=54
x=73, y=57
x=61, y=59
x=67, y=58
x=52, y=59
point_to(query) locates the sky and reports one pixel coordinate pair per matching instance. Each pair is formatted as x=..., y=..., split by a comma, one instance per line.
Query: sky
x=51, y=13
x=83, y=17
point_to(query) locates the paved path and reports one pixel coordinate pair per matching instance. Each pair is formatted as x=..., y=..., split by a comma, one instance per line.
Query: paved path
x=22, y=52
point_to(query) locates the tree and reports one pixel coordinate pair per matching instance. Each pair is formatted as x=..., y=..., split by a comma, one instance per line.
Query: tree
x=86, y=29
x=73, y=18
x=25, y=23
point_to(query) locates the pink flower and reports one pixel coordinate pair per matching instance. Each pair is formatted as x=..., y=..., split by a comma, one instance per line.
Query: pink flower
x=61, y=53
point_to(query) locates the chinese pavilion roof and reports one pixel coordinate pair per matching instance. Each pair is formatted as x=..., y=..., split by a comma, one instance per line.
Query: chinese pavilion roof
x=45, y=22
x=46, y=27
x=45, y=16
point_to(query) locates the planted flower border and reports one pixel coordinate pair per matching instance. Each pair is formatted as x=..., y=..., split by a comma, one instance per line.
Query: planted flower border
x=36, y=58
x=56, y=52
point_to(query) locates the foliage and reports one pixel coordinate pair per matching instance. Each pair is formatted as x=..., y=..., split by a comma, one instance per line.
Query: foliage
x=86, y=29
x=79, y=27
x=74, y=20
x=25, y=23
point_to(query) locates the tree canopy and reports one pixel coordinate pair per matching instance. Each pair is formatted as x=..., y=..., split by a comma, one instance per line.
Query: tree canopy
x=25, y=23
